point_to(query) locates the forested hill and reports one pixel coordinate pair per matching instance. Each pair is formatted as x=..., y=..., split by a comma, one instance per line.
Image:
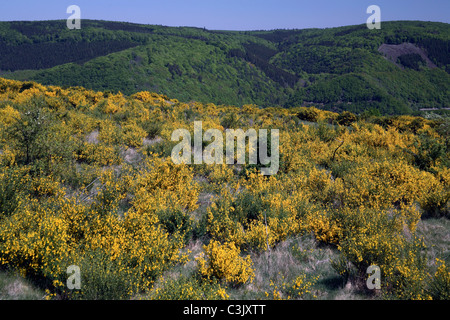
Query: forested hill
x=401, y=68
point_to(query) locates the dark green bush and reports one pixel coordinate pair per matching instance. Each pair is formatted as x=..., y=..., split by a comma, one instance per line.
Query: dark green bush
x=326, y=132
x=104, y=279
x=153, y=128
x=248, y=207
x=308, y=114
x=346, y=118
x=13, y=182
x=175, y=221
x=430, y=150
x=188, y=288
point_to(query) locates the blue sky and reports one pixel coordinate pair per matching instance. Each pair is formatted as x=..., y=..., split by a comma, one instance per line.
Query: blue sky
x=230, y=14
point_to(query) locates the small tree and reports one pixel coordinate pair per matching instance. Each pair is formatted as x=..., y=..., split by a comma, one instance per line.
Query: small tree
x=26, y=131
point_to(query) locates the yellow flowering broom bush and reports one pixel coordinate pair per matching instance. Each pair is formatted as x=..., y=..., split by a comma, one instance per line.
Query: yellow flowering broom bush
x=223, y=262
x=440, y=283
x=161, y=184
x=359, y=187
x=299, y=288
x=133, y=134
x=187, y=288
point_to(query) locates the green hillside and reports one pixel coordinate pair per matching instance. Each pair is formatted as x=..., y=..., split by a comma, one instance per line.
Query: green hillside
x=402, y=68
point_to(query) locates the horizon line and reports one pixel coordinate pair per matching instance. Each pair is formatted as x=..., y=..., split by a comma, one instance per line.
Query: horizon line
x=229, y=30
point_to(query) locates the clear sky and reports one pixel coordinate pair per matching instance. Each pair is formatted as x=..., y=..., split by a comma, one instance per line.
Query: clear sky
x=230, y=14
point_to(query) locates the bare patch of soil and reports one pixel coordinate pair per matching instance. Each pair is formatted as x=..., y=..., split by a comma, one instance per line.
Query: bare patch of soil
x=393, y=51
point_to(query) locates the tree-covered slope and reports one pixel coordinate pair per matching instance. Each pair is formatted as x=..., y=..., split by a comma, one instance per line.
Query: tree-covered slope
x=342, y=68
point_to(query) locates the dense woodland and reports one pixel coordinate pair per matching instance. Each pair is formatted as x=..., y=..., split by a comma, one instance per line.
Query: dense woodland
x=334, y=69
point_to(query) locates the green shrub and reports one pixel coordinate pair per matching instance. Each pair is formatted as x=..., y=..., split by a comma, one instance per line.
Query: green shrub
x=326, y=132
x=346, y=118
x=175, y=221
x=247, y=207
x=308, y=114
x=27, y=132
x=104, y=279
x=188, y=288
x=430, y=151
x=230, y=120
x=152, y=128
x=436, y=203
x=13, y=181
x=440, y=282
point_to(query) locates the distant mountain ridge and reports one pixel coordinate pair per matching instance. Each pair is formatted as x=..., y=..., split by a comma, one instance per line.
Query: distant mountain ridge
x=402, y=68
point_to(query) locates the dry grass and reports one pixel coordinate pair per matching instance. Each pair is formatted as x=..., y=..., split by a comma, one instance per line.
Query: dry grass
x=14, y=287
x=304, y=255
x=290, y=259
x=436, y=235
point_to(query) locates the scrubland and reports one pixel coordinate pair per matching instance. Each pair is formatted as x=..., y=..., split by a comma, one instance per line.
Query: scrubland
x=86, y=179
